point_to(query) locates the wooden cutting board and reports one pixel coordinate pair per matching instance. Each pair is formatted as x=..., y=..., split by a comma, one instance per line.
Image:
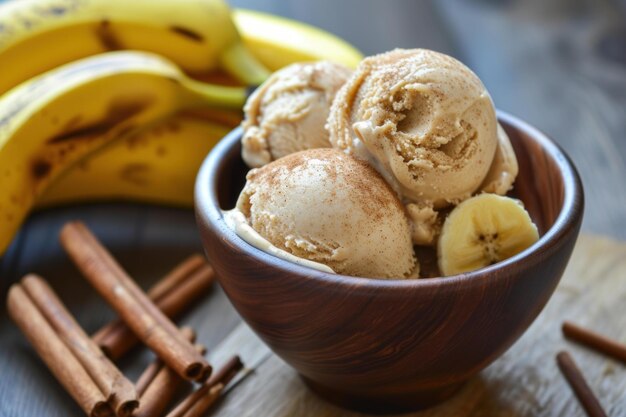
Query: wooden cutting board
x=525, y=381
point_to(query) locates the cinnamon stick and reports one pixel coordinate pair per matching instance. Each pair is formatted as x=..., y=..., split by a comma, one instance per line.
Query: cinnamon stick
x=160, y=390
x=147, y=376
x=205, y=402
x=159, y=393
x=117, y=389
x=179, y=274
x=595, y=341
x=56, y=355
x=131, y=303
x=167, y=284
x=219, y=379
x=227, y=372
x=578, y=384
x=115, y=338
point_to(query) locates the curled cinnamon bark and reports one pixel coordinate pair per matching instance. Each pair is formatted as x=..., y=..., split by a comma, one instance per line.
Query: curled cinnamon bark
x=55, y=354
x=175, y=294
x=131, y=303
x=117, y=389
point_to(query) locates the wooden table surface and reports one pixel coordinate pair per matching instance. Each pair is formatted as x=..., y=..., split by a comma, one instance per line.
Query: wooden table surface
x=561, y=65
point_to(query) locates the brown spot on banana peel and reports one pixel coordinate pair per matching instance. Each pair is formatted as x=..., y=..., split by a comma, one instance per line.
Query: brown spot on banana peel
x=173, y=127
x=135, y=174
x=72, y=123
x=229, y=118
x=50, y=159
x=158, y=131
x=187, y=33
x=107, y=38
x=124, y=130
x=87, y=132
x=40, y=169
x=133, y=142
x=83, y=165
x=118, y=112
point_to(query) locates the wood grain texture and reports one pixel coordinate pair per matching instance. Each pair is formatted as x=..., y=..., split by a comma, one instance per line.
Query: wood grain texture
x=524, y=382
x=356, y=341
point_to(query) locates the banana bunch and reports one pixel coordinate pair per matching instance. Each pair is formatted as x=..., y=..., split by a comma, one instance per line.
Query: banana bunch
x=198, y=35
x=84, y=118
x=59, y=117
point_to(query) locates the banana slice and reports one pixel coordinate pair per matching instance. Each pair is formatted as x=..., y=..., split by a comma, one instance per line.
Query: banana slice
x=484, y=230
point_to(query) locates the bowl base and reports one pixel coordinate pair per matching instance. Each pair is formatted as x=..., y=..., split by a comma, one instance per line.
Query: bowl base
x=390, y=404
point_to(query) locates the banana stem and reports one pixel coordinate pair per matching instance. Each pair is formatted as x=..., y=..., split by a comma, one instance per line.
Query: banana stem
x=219, y=96
x=240, y=63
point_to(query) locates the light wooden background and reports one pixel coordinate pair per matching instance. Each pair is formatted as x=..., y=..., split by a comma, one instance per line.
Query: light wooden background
x=559, y=64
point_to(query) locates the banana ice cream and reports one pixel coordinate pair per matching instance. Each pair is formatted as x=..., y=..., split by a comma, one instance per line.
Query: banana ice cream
x=504, y=168
x=426, y=122
x=417, y=158
x=288, y=112
x=329, y=208
x=427, y=222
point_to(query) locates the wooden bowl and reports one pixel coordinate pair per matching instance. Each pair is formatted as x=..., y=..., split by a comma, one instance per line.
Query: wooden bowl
x=394, y=345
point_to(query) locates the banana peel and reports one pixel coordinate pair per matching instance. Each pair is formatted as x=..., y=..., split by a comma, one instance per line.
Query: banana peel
x=162, y=168
x=198, y=35
x=157, y=165
x=264, y=35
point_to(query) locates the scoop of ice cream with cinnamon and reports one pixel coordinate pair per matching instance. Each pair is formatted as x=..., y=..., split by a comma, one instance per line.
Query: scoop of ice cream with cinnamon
x=330, y=208
x=504, y=167
x=288, y=112
x=426, y=122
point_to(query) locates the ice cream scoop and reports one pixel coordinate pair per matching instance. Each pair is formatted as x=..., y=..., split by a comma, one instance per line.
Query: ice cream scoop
x=287, y=113
x=427, y=222
x=504, y=167
x=328, y=207
x=425, y=121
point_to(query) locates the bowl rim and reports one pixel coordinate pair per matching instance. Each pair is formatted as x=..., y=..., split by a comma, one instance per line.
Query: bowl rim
x=209, y=212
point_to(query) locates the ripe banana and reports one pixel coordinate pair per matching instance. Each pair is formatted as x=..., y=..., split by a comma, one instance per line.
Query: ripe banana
x=119, y=170
x=484, y=230
x=277, y=42
x=261, y=33
x=156, y=165
x=53, y=120
x=198, y=35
